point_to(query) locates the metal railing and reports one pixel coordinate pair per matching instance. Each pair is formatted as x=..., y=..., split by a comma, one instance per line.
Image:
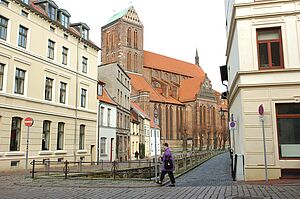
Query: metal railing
x=144, y=169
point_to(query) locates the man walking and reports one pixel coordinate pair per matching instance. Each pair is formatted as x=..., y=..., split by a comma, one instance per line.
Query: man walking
x=168, y=165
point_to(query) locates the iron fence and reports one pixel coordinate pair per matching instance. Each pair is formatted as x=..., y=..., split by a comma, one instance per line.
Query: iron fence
x=105, y=169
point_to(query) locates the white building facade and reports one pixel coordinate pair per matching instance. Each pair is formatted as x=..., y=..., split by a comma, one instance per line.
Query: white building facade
x=49, y=73
x=263, y=61
x=155, y=131
x=107, y=127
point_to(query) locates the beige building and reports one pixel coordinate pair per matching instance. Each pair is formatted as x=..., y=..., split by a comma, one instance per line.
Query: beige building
x=139, y=132
x=263, y=61
x=117, y=83
x=48, y=71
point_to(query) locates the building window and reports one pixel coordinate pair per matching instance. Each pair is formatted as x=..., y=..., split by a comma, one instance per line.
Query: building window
x=288, y=125
x=60, y=136
x=103, y=145
x=52, y=12
x=84, y=33
x=46, y=135
x=24, y=14
x=22, y=36
x=84, y=64
x=129, y=36
x=66, y=36
x=101, y=115
x=135, y=62
x=81, y=137
x=48, y=89
x=135, y=39
x=63, y=92
x=52, y=29
x=129, y=61
x=19, y=81
x=15, y=163
x=83, y=98
x=15, y=134
x=108, y=116
x=65, y=55
x=25, y=1
x=269, y=48
x=4, y=2
x=1, y=76
x=3, y=27
x=51, y=49
x=65, y=21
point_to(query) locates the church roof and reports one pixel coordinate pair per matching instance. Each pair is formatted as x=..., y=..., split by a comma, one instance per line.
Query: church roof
x=118, y=15
x=129, y=15
x=168, y=64
x=189, y=88
x=139, y=83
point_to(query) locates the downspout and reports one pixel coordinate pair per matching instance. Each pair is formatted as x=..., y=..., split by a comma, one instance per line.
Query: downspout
x=76, y=100
x=98, y=132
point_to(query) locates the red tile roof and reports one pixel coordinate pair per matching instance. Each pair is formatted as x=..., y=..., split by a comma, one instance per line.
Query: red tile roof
x=106, y=98
x=189, y=89
x=139, y=83
x=136, y=106
x=152, y=125
x=160, y=62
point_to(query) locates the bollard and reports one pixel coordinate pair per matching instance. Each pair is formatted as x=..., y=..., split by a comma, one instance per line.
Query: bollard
x=33, y=164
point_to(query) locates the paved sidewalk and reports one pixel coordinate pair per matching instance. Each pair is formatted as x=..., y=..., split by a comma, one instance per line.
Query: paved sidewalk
x=210, y=180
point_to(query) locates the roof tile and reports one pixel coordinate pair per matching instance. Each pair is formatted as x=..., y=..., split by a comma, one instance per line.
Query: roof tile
x=160, y=62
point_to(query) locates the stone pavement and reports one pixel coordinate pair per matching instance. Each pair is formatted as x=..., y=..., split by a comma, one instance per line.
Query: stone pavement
x=210, y=180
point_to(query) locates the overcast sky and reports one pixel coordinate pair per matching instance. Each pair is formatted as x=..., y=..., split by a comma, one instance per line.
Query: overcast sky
x=173, y=28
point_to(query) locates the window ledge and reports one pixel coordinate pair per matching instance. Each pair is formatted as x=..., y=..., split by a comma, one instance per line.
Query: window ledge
x=81, y=151
x=60, y=152
x=1, y=154
x=15, y=153
x=45, y=152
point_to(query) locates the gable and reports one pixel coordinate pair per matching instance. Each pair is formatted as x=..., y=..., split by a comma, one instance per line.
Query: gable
x=129, y=15
x=206, y=91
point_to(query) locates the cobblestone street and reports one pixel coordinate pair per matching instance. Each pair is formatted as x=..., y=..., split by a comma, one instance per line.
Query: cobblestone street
x=210, y=180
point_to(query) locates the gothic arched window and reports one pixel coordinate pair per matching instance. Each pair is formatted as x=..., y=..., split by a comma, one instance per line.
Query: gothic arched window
x=135, y=62
x=129, y=36
x=129, y=61
x=135, y=38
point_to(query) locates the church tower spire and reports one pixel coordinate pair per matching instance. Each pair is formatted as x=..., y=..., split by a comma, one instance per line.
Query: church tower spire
x=197, y=58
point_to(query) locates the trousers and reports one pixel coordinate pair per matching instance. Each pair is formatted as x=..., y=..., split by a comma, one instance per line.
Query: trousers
x=171, y=176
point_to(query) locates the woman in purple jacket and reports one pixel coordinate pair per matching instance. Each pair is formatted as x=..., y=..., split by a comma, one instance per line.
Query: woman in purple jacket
x=168, y=165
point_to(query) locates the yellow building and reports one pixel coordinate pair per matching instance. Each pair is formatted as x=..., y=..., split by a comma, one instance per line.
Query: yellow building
x=48, y=71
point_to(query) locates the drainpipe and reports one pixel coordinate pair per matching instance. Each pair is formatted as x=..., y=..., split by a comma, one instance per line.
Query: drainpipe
x=76, y=100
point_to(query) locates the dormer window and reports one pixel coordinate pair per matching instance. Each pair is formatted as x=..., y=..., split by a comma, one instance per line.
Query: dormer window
x=83, y=29
x=64, y=17
x=52, y=12
x=84, y=33
x=65, y=21
x=26, y=1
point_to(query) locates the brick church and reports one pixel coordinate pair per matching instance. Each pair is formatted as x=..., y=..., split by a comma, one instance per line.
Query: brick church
x=188, y=106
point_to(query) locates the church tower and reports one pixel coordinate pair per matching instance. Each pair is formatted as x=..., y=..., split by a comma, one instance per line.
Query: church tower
x=197, y=58
x=122, y=41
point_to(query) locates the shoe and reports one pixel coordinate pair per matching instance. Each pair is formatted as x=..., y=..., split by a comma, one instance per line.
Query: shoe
x=171, y=185
x=158, y=182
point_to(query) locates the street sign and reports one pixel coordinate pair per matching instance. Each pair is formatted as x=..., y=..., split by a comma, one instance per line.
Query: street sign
x=232, y=124
x=28, y=121
x=261, y=109
x=155, y=113
x=156, y=121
